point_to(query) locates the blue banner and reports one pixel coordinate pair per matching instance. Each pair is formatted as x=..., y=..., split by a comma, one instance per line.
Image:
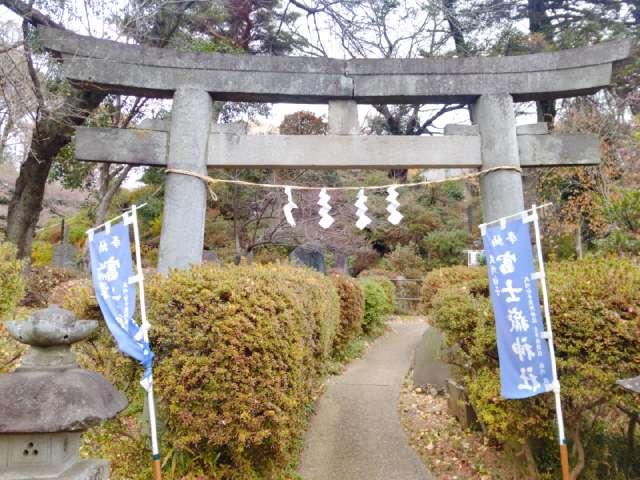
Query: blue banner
x=525, y=364
x=111, y=270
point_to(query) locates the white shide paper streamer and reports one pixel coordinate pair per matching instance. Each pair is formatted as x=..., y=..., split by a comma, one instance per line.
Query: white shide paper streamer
x=361, y=205
x=326, y=220
x=392, y=198
x=289, y=207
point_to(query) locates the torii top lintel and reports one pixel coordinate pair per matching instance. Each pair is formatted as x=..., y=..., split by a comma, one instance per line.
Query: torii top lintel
x=156, y=72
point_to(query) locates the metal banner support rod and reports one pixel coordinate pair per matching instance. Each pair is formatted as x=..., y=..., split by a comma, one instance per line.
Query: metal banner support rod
x=155, y=450
x=564, y=454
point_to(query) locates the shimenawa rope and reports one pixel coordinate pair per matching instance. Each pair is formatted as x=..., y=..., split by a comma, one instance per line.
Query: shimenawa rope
x=212, y=181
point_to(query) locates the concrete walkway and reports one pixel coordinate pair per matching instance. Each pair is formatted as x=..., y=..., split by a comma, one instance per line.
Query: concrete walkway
x=356, y=433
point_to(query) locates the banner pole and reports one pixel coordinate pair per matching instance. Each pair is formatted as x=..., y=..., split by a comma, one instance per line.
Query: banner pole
x=155, y=450
x=564, y=455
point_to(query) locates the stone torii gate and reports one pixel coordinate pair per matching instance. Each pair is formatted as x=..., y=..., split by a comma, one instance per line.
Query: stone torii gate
x=194, y=80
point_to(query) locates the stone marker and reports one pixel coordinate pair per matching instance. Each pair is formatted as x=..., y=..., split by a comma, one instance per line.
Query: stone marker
x=65, y=255
x=459, y=405
x=209, y=256
x=48, y=402
x=308, y=255
x=430, y=368
x=342, y=262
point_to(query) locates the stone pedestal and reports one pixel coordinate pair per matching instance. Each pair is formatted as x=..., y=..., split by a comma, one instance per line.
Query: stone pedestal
x=48, y=402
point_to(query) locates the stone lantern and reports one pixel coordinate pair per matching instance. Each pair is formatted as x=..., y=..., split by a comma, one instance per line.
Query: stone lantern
x=48, y=402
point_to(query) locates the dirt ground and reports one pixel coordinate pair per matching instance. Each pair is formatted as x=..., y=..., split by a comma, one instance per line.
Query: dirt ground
x=450, y=452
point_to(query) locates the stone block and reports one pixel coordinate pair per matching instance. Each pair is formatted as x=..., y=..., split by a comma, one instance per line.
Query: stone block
x=461, y=129
x=209, y=256
x=308, y=255
x=430, y=367
x=343, y=117
x=459, y=406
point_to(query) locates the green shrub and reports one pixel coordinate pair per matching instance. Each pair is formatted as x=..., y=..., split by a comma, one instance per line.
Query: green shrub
x=445, y=247
x=238, y=351
x=351, y=311
x=41, y=253
x=442, y=278
x=405, y=260
x=11, y=282
x=376, y=305
x=384, y=279
x=596, y=320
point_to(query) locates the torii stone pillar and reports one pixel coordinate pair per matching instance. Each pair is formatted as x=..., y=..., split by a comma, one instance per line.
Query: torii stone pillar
x=501, y=191
x=185, y=197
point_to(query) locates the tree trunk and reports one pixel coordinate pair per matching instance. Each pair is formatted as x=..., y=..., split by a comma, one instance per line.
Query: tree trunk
x=5, y=136
x=51, y=134
x=449, y=7
x=236, y=229
x=108, y=189
x=578, y=451
x=532, y=466
x=539, y=23
x=579, y=239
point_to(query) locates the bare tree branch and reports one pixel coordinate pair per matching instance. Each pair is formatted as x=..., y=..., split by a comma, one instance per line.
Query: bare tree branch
x=34, y=17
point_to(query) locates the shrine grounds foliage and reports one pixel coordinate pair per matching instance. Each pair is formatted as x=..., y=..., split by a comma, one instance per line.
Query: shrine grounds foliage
x=351, y=312
x=379, y=301
x=596, y=321
x=240, y=353
x=11, y=282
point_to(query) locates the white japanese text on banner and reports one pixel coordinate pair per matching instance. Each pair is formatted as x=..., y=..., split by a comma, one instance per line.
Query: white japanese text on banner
x=525, y=365
x=111, y=270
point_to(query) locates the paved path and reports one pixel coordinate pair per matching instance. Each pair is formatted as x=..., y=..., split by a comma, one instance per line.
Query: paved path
x=356, y=433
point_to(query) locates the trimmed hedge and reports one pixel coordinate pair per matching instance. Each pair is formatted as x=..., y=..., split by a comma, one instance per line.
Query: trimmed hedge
x=377, y=305
x=596, y=321
x=239, y=351
x=11, y=282
x=447, y=277
x=351, y=311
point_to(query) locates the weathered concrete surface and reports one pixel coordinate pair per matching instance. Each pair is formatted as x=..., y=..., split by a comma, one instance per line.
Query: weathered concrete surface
x=356, y=433
x=185, y=198
x=429, y=366
x=554, y=150
x=122, y=145
x=461, y=129
x=51, y=456
x=230, y=150
x=501, y=191
x=69, y=400
x=343, y=117
x=148, y=71
x=50, y=327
